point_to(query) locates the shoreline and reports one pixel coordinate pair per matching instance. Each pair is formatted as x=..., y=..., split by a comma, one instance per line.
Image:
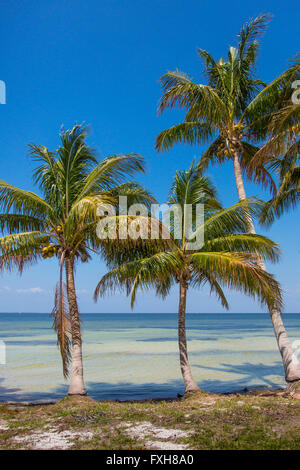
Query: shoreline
x=243, y=392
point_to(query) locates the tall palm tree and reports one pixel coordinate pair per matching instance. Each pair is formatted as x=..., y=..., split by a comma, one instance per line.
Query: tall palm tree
x=225, y=259
x=62, y=222
x=232, y=111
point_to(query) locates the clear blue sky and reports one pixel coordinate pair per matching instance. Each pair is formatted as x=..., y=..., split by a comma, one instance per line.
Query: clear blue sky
x=99, y=62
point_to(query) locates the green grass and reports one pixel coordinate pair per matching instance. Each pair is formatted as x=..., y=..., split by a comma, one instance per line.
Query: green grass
x=211, y=422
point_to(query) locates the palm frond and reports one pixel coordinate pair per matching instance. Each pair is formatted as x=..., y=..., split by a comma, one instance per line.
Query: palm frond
x=259, y=174
x=274, y=95
x=111, y=172
x=277, y=206
x=192, y=133
x=135, y=194
x=143, y=273
x=180, y=90
x=234, y=219
x=198, y=279
x=245, y=243
x=14, y=223
x=62, y=326
x=214, y=154
x=19, y=249
x=250, y=32
x=241, y=272
x=19, y=201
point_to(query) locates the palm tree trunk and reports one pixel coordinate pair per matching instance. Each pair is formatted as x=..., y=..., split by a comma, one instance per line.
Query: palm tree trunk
x=77, y=384
x=290, y=362
x=189, y=383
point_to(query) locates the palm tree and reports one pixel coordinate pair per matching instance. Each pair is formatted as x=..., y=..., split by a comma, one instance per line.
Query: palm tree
x=225, y=258
x=233, y=112
x=62, y=222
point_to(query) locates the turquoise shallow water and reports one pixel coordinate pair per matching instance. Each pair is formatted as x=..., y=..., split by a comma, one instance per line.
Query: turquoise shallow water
x=135, y=356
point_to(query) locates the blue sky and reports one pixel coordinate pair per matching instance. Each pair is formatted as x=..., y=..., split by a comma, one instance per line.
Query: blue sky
x=99, y=63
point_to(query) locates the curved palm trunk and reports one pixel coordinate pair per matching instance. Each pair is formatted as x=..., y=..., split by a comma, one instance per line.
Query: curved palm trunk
x=77, y=384
x=290, y=362
x=189, y=383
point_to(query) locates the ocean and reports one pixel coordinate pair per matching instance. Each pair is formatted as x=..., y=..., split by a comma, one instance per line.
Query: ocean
x=135, y=356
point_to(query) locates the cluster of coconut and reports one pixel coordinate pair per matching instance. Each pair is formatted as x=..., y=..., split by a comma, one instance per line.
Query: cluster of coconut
x=49, y=251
